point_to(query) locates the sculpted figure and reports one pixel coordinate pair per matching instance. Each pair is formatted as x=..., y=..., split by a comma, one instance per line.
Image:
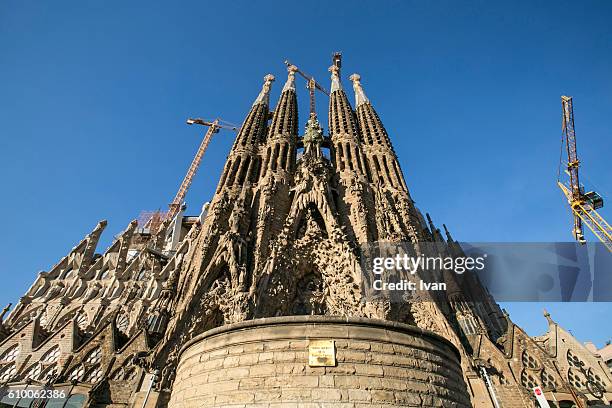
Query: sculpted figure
x=92, y=292
x=56, y=289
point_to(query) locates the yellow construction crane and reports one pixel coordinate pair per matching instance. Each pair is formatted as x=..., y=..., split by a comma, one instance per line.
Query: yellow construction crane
x=312, y=85
x=583, y=205
x=213, y=127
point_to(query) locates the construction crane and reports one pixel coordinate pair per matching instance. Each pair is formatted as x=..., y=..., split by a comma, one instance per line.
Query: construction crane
x=583, y=205
x=213, y=127
x=312, y=85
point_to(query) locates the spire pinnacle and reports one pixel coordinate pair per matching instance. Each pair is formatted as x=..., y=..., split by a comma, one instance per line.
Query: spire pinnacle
x=431, y=224
x=335, y=77
x=290, y=84
x=264, y=95
x=548, y=318
x=448, y=234
x=4, y=311
x=360, y=97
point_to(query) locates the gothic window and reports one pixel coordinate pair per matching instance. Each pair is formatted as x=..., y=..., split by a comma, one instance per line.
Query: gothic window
x=48, y=373
x=468, y=325
x=77, y=373
x=118, y=374
x=377, y=166
x=8, y=372
x=243, y=170
x=94, y=375
x=225, y=172
x=528, y=380
x=51, y=356
x=10, y=355
x=254, y=176
x=130, y=374
x=94, y=356
x=573, y=360
x=387, y=172
x=267, y=159
x=595, y=384
x=576, y=379
x=122, y=323
x=529, y=361
x=124, y=373
x=359, y=162
x=275, y=157
x=232, y=175
x=548, y=381
x=349, y=156
x=340, y=156
x=283, y=156
x=82, y=321
x=35, y=371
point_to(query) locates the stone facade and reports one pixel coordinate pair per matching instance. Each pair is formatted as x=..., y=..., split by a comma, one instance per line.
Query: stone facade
x=281, y=237
x=264, y=363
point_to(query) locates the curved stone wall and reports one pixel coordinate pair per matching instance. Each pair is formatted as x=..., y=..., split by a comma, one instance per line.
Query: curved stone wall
x=264, y=363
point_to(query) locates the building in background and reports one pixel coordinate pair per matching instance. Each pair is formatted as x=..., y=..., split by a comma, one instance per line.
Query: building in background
x=257, y=301
x=605, y=352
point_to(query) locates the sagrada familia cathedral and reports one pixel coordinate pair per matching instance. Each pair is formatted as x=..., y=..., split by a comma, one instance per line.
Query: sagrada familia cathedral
x=257, y=302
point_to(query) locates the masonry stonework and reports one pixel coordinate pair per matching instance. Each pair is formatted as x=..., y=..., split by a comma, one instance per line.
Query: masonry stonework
x=264, y=363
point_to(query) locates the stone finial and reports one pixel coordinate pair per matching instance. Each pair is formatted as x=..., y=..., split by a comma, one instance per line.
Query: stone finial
x=548, y=318
x=335, y=78
x=4, y=311
x=360, y=97
x=431, y=224
x=264, y=95
x=290, y=84
x=448, y=234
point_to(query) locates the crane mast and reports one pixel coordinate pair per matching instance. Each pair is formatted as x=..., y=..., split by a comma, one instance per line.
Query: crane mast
x=583, y=205
x=213, y=127
x=311, y=85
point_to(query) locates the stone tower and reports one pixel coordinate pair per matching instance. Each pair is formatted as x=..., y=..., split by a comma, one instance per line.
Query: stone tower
x=222, y=309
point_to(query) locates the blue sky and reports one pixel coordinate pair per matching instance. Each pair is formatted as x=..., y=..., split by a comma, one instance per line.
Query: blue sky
x=94, y=96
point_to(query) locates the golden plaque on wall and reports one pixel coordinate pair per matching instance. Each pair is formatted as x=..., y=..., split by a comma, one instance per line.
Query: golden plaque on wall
x=321, y=353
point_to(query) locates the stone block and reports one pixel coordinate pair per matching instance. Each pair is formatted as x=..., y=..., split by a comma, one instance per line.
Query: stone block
x=321, y=394
x=359, y=395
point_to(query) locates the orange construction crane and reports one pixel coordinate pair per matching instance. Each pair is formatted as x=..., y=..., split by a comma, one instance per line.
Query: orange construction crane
x=583, y=205
x=312, y=85
x=213, y=127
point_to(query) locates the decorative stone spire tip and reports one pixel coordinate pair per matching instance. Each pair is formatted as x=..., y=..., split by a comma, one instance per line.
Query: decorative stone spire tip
x=548, y=318
x=264, y=95
x=290, y=84
x=335, y=78
x=360, y=97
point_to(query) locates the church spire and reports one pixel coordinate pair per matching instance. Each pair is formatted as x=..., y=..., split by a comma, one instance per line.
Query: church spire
x=243, y=165
x=548, y=318
x=280, y=149
x=264, y=95
x=435, y=232
x=335, y=79
x=347, y=155
x=290, y=84
x=377, y=145
x=360, y=96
